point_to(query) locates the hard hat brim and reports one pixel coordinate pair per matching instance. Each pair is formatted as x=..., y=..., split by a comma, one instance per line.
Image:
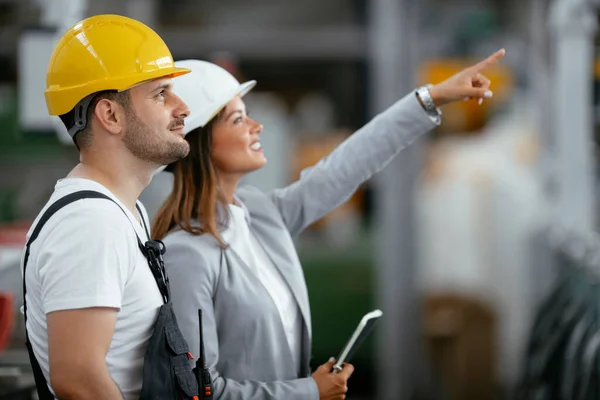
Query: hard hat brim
x=241, y=90
x=246, y=87
x=57, y=98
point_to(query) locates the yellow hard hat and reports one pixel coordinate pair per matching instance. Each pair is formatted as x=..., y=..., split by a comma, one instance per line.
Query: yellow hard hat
x=104, y=52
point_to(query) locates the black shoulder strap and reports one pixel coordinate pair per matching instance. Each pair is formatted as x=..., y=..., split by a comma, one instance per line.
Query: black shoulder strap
x=152, y=250
x=137, y=206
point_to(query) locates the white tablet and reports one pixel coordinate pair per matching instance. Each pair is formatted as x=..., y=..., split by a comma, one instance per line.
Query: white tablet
x=365, y=326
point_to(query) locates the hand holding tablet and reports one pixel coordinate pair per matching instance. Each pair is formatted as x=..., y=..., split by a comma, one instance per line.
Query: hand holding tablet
x=365, y=326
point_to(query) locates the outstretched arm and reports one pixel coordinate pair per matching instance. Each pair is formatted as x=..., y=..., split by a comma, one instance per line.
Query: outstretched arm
x=328, y=184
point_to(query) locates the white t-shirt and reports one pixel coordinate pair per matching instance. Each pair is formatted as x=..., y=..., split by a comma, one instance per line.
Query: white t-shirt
x=246, y=245
x=87, y=255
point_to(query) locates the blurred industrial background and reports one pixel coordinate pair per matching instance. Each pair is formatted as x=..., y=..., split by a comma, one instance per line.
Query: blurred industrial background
x=478, y=243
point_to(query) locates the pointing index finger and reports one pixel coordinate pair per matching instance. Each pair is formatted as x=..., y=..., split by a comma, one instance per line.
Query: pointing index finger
x=488, y=62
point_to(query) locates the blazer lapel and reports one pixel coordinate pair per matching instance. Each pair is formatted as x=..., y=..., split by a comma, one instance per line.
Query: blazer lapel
x=277, y=248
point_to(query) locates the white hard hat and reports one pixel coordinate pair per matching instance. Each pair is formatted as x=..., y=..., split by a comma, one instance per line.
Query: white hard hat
x=206, y=90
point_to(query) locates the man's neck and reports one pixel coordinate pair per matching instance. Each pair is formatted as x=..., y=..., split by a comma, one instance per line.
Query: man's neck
x=120, y=181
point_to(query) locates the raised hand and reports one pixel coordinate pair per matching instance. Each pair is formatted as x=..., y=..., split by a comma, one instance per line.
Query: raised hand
x=470, y=83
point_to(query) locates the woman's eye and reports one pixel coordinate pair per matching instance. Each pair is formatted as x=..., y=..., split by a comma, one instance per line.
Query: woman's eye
x=238, y=120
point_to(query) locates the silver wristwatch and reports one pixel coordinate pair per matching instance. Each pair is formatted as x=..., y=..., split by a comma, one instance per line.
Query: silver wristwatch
x=428, y=104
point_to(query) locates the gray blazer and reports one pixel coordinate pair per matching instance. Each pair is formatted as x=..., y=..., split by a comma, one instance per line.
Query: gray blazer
x=245, y=343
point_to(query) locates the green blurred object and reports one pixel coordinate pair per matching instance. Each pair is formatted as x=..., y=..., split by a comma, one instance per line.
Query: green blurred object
x=8, y=115
x=8, y=198
x=476, y=26
x=340, y=286
x=16, y=144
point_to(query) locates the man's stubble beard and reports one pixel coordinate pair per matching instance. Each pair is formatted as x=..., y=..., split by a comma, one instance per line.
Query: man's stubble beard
x=147, y=145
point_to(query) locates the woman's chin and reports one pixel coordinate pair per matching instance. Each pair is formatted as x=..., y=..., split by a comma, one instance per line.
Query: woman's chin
x=254, y=166
x=261, y=163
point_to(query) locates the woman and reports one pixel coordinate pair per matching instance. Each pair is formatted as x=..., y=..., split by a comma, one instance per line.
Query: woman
x=230, y=250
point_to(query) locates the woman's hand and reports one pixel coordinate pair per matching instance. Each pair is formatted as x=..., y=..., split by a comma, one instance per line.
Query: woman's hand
x=332, y=386
x=469, y=83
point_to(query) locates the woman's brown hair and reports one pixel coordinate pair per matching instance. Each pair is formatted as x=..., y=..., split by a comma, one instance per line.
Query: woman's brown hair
x=196, y=194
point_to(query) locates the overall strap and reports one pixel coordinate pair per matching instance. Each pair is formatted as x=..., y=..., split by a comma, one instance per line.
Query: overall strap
x=138, y=208
x=152, y=250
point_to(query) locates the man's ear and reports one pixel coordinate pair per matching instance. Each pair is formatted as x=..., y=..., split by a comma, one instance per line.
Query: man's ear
x=110, y=115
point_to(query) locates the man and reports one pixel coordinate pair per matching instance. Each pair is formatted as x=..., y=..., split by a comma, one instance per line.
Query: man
x=91, y=299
